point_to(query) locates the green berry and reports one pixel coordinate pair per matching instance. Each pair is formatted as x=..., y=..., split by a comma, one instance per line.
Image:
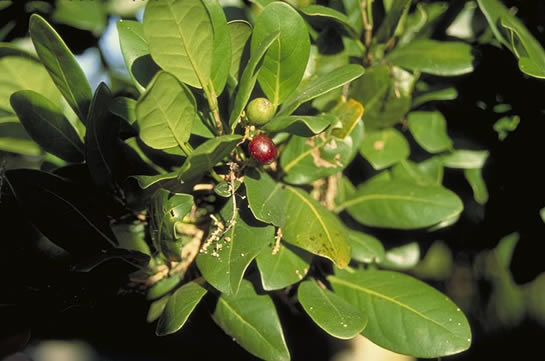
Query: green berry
x=259, y=111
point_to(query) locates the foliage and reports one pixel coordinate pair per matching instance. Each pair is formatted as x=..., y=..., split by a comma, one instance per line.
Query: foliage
x=156, y=175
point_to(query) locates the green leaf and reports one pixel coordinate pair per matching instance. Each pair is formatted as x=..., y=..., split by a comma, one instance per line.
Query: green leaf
x=166, y=112
x=84, y=15
x=135, y=50
x=101, y=138
x=225, y=260
x=179, y=307
x=405, y=315
x=156, y=308
x=253, y=323
x=12, y=50
x=321, y=85
x=433, y=168
x=465, y=159
x=240, y=33
x=47, y=126
x=163, y=180
x=43, y=196
x=384, y=147
x=385, y=93
x=181, y=39
x=512, y=33
x=409, y=171
x=61, y=65
x=206, y=156
x=323, y=12
x=332, y=313
x=304, y=126
x=443, y=58
x=305, y=160
x=163, y=287
x=475, y=179
x=285, y=62
x=221, y=58
x=365, y=248
x=402, y=205
x=125, y=108
x=165, y=211
x=434, y=95
x=402, y=258
x=429, y=129
x=505, y=125
x=249, y=76
x=283, y=267
x=390, y=23
x=303, y=221
x=14, y=138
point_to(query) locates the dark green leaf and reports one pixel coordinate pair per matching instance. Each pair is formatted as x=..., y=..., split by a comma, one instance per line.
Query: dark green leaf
x=388, y=27
x=443, y=58
x=285, y=62
x=282, y=265
x=181, y=39
x=163, y=287
x=135, y=50
x=332, y=313
x=253, y=323
x=405, y=315
x=166, y=112
x=61, y=65
x=47, y=126
x=321, y=85
x=156, y=308
x=179, y=307
x=90, y=261
x=206, y=156
x=304, y=126
x=429, y=129
x=44, y=196
x=125, y=108
x=323, y=12
x=224, y=261
x=402, y=205
x=384, y=147
x=365, y=248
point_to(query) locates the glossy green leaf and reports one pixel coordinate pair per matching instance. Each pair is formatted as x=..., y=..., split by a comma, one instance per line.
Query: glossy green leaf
x=403, y=257
x=405, y=315
x=23, y=73
x=165, y=211
x=321, y=85
x=240, y=33
x=429, y=129
x=303, y=221
x=178, y=308
x=249, y=76
x=332, y=313
x=224, y=262
x=61, y=65
x=512, y=33
x=156, y=308
x=14, y=138
x=384, y=147
x=181, y=39
x=475, y=179
x=283, y=267
x=253, y=323
x=465, y=159
x=409, y=171
x=101, y=138
x=166, y=112
x=385, y=93
x=125, y=108
x=221, y=58
x=285, y=62
x=132, y=237
x=44, y=196
x=206, y=156
x=135, y=50
x=47, y=126
x=302, y=125
x=390, y=23
x=84, y=15
x=305, y=160
x=163, y=287
x=326, y=13
x=443, y=58
x=365, y=248
x=146, y=181
x=402, y=205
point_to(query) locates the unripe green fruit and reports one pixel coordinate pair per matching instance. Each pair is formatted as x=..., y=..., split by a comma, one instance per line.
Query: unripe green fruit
x=259, y=111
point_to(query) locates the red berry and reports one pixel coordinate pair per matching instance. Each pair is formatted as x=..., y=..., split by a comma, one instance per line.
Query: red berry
x=263, y=149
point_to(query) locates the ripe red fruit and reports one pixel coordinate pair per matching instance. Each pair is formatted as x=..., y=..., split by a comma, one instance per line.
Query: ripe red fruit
x=263, y=149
